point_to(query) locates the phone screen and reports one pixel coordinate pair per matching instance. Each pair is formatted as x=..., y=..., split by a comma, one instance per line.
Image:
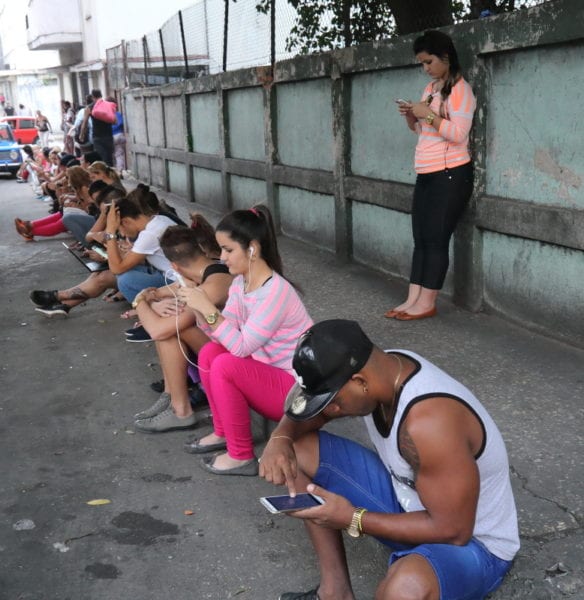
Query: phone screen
x=287, y=503
x=99, y=250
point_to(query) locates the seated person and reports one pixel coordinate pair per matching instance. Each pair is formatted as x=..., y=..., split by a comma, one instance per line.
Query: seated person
x=98, y=170
x=436, y=489
x=74, y=200
x=248, y=363
x=60, y=302
x=193, y=252
x=149, y=203
x=144, y=265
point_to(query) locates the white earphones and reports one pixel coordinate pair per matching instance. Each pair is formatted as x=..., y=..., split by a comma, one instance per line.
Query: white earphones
x=251, y=250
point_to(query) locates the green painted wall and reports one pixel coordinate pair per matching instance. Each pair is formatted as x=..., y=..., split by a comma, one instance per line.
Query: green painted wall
x=245, y=110
x=538, y=282
x=204, y=124
x=174, y=123
x=177, y=178
x=208, y=189
x=382, y=146
x=535, y=144
x=307, y=216
x=304, y=124
x=245, y=192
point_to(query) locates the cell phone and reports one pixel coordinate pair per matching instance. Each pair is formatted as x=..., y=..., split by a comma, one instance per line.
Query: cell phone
x=99, y=250
x=283, y=504
x=401, y=101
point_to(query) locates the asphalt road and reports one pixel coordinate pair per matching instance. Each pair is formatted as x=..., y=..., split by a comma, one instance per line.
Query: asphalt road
x=71, y=385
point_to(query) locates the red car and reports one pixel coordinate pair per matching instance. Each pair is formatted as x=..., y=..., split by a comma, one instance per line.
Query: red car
x=24, y=129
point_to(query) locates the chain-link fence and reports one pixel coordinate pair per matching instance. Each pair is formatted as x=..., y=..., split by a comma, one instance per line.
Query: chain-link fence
x=213, y=36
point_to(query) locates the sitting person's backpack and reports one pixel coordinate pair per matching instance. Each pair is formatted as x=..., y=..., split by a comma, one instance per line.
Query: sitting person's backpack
x=105, y=111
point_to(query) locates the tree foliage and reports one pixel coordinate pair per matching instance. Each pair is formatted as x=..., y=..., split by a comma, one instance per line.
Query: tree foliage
x=327, y=24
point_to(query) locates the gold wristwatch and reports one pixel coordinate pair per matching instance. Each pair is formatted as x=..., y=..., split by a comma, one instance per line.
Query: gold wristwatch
x=212, y=318
x=355, y=529
x=430, y=118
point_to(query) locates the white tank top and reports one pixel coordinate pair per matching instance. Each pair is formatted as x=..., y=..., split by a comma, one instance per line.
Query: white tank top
x=496, y=517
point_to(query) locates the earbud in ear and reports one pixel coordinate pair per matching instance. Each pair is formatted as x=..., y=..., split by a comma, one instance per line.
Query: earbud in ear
x=251, y=250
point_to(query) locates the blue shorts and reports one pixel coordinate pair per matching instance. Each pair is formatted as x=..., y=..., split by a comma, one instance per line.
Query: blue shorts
x=346, y=468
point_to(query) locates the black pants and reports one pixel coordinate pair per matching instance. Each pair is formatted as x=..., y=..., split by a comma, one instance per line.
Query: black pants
x=105, y=147
x=439, y=200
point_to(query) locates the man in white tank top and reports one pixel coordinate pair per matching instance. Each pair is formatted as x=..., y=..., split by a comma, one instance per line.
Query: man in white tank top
x=436, y=490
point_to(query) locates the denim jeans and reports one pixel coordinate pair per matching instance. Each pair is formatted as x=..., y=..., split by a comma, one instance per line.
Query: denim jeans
x=132, y=282
x=78, y=224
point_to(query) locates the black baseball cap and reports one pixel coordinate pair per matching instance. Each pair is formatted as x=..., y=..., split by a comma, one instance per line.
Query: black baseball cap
x=326, y=357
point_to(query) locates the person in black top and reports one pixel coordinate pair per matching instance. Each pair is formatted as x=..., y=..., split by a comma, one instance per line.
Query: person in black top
x=103, y=139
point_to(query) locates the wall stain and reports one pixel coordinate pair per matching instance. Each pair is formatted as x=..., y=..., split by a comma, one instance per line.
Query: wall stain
x=546, y=163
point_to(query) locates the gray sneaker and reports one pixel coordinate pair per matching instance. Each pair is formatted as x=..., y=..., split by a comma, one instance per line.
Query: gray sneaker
x=165, y=421
x=161, y=404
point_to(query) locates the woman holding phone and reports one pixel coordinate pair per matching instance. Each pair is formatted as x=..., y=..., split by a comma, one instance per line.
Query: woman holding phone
x=248, y=362
x=444, y=182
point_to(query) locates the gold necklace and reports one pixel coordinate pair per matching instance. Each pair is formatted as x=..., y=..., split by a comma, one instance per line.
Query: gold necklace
x=385, y=422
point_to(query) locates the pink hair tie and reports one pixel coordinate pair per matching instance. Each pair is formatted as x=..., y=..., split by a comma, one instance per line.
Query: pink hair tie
x=255, y=212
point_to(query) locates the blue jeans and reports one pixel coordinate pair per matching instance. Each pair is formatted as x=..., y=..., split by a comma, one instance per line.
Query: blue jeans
x=78, y=224
x=346, y=468
x=132, y=282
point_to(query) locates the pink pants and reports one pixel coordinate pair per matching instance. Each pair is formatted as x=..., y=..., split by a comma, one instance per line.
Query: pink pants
x=234, y=385
x=48, y=226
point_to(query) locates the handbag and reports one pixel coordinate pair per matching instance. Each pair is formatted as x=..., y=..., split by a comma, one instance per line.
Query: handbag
x=104, y=111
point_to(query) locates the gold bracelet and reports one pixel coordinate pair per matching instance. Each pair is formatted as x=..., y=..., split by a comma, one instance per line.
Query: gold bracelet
x=275, y=437
x=360, y=514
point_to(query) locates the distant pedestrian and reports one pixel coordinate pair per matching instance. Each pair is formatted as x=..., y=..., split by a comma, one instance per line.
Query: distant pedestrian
x=44, y=127
x=23, y=111
x=444, y=182
x=103, y=141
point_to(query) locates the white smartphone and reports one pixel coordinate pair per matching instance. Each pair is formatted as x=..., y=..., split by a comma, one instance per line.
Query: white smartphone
x=283, y=504
x=401, y=101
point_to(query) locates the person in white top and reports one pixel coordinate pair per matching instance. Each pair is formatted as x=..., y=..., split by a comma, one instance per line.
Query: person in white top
x=436, y=490
x=145, y=265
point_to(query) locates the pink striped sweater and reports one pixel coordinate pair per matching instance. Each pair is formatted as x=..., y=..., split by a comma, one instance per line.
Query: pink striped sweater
x=264, y=324
x=447, y=147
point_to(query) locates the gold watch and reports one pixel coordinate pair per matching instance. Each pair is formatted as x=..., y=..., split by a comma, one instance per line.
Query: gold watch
x=212, y=318
x=355, y=528
x=430, y=118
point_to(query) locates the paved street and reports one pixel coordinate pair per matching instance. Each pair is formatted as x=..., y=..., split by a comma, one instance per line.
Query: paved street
x=71, y=385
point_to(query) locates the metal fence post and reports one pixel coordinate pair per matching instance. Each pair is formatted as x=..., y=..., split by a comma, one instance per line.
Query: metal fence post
x=272, y=32
x=145, y=53
x=225, y=34
x=163, y=55
x=184, y=43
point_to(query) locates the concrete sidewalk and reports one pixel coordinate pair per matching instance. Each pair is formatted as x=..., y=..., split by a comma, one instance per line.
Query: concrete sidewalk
x=70, y=388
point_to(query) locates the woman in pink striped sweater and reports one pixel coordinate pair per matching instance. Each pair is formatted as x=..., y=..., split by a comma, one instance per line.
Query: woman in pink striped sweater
x=444, y=182
x=249, y=362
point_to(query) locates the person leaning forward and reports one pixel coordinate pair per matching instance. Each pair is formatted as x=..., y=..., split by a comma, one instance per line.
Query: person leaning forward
x=436, y=490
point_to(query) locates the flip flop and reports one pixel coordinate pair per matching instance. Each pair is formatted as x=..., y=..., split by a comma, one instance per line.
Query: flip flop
x=129, y=314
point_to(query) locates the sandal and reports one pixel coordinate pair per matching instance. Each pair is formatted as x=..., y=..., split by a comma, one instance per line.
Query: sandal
x=113, y=296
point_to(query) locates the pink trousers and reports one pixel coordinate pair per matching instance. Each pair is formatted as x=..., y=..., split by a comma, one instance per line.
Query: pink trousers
x=234, y=385
x=48, y=226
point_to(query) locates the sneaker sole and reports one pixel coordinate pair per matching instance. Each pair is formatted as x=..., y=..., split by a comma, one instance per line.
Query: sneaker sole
x=133, y=341
x=165, y=430
x=52, y=313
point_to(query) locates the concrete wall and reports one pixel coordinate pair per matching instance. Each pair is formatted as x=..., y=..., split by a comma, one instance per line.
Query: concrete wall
x=320, y=141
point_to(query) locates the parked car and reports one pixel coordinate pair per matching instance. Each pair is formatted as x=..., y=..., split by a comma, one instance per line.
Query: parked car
x=23, y=128
x=10, y=155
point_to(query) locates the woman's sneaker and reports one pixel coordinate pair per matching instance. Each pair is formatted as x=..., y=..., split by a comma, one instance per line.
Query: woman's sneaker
x=161, y=404
x=165, y=421
x=43, y=298
x=55, y=309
